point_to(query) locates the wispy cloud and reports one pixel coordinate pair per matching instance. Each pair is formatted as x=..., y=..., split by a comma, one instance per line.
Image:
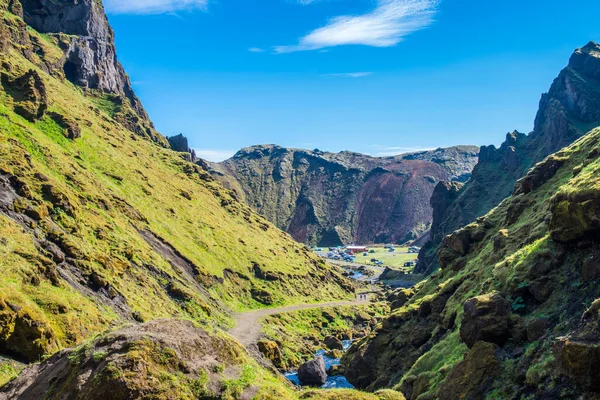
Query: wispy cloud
x=256, y=50
x=385, y=26
x=214, y=155
x=152, y=6
x=388, y=151
x=348, y=75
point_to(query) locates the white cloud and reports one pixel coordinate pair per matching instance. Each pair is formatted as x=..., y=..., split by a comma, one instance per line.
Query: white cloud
x=255, y=50
x=385, y=26
x=349, y=75
x=152, y=6
x=215, y=155
x=388, y=151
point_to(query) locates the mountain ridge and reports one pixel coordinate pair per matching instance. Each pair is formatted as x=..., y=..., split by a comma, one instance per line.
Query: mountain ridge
x=327, y=198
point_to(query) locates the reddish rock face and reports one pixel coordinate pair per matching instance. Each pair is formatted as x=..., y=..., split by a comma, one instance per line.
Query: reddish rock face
x=330, y=199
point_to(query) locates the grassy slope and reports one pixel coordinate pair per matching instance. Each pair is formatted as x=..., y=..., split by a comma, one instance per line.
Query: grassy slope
x=526, y=254
x=110, y=185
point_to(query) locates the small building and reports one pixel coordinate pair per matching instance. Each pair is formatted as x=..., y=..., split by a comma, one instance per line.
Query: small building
x=356, y=249
x=362, y=296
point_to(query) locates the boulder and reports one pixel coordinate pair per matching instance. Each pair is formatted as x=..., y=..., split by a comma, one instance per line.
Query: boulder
x=471, y=377
x=575, y=216
x=542, y=288
x=459, y=241
x=313, y=373
x=486, y=318
x=334, y=343
x=335, y=370
x=579, y=361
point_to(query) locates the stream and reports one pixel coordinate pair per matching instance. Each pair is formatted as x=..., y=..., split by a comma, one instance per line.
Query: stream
x=333, y=382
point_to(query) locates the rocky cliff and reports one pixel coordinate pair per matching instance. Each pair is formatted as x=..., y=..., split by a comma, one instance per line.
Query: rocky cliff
x=101, y=226
x=331, y=199
x=513, y=313
x=88, y=56
x=569, y=109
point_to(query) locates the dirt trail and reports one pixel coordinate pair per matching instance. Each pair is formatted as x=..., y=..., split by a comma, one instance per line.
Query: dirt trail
x=248, y=326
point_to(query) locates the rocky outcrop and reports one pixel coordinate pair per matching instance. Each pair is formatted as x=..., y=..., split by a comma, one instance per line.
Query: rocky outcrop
x=90, y=60
x=313, y=373
x=71, y=128
x=180, y=144
x=160, y=359
x=569, y=109
x=331, y=199
x=29, y=94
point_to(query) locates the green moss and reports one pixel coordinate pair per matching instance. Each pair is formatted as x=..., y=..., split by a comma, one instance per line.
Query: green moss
x=9, y=370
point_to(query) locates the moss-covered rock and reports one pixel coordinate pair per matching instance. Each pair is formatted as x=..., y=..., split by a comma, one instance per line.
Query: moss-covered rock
x=487, y=318
x=29, y=94
x=471, y=377
x=272, y=352
x=162, y=359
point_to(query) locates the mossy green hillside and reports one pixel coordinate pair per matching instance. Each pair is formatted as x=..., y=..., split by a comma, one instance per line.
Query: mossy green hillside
x=111, y=227
x=536, y=253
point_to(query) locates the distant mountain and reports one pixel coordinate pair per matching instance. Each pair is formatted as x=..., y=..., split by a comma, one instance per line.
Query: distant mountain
x=569, y=110
x=338, y=198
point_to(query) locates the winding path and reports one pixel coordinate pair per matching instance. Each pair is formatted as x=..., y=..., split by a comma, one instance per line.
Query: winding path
x=248, y=326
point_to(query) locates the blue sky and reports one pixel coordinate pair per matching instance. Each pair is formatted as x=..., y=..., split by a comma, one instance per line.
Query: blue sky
x=380, y=77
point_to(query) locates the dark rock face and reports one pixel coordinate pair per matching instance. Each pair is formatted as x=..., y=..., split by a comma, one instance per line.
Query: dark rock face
x=90, y=58
x=580, y=361
x=569, y=110
x=331, y=199
x=313, y=373
x=179, y=143
x=487, y=318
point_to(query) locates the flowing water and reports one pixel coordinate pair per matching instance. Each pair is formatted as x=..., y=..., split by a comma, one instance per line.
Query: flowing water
x=333, y=382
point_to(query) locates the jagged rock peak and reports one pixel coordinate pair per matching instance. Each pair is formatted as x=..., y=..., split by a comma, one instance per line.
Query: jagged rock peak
x=587, y=60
